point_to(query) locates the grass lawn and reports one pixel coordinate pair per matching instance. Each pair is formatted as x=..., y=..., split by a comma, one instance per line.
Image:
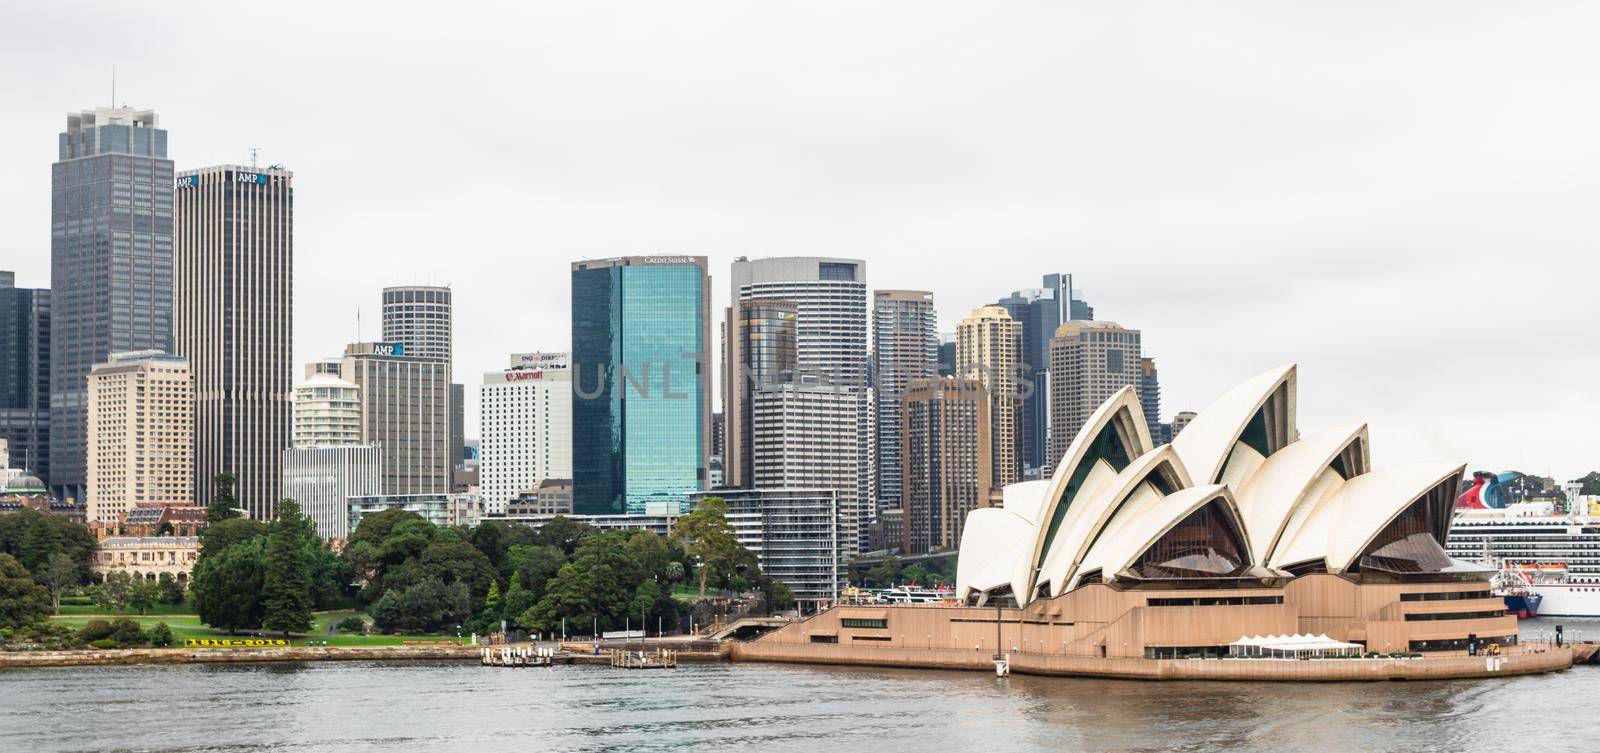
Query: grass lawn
x=188, y=626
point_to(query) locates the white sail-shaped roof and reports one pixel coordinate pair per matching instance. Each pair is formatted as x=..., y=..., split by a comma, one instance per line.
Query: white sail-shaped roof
x=1341, y=527
x=1281, y=483
x=1082, y=470
x=989, y=541
x=1121, y=545
x=1294, y=503
x=1205, y=444
x=1150, y=476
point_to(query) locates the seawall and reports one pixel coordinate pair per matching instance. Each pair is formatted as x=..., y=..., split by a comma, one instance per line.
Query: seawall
x=111, y=657
x=1323, y=670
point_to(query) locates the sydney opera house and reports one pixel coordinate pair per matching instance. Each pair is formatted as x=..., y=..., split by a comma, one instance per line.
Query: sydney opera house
x=1239, y=529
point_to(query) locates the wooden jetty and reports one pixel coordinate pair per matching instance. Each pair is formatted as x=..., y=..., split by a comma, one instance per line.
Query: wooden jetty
x=518, y=656
x=661, y=658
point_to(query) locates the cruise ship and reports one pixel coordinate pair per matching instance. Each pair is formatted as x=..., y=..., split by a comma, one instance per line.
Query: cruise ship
x=1549, y=562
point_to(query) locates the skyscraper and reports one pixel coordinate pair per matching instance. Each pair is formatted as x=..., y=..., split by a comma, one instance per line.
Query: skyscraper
x=830, y=299
x=110, y=265
x=405, y=410
x=327, y=411
x=905, y=348
x=759, y=341
x=25, y=374
x=1041, y=311
x=988, y=345
x=526, y=427
x=234, y=314
x=141, y=426
x=947, y=461
x=421, y=319
x=641, y=403
x=805, y=436
x=1089, y=362
x=1150, y=400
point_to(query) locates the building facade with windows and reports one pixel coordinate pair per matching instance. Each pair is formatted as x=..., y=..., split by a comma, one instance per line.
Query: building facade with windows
x=796, y=536
x=233, y=308
x=831, y=346
x=988, y=349
x=526, y=427
x=141, y=418
x=905, y=348
x=111, y=281
x=1089, y=362
x=641, y=410
x=948, y=471
x=405, y=409
x=25, y=375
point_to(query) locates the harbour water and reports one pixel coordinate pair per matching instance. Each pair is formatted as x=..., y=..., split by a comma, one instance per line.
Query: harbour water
x=770, y=708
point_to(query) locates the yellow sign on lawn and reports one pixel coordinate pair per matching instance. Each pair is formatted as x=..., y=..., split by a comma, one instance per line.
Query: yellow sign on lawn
x=233, y=642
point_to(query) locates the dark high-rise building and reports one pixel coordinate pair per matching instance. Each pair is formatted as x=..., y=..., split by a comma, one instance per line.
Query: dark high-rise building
x=641, y=403
x=234, y=314
x=1150, y=400
x=110, y=265
x=25, y=374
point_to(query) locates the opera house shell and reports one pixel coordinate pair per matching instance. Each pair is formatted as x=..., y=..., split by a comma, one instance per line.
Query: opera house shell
x=1240, y=527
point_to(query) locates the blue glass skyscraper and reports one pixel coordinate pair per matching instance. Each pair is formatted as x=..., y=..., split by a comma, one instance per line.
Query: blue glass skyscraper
x=641, y=406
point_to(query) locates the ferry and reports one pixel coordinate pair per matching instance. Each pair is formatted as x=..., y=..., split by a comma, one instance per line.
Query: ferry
x=914, y=594
x=1548, y=562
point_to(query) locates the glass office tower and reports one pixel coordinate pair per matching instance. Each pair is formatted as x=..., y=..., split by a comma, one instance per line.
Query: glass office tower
x=641, y=407
x=110, y=265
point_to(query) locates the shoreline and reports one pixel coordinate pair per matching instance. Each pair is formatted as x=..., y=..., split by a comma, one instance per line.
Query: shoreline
x=1220, y=670
x=133, y=656
x=260, y=655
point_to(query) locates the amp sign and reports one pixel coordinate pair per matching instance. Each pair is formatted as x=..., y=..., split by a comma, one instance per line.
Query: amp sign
x=388, y=349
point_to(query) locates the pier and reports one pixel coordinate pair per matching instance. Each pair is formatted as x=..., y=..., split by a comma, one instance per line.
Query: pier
x=661, y=658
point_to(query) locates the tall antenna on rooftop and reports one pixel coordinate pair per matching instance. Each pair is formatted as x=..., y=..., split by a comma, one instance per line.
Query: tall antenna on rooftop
x=253, y=151
x=113, y=86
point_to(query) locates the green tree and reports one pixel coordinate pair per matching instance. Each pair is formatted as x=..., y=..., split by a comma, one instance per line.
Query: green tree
x=170, y=590
x=491, y=602
x=73, y=538
x=706, y=536
x=286, y=585
x=564, y=533
x=518, y=599
x=22, y=601
x=425, y=607
x=115, y=593
x=223, y=504
x=39, y=542
x=600, y=582
x=775, y=596
x=227, y=586
x=161, y=635
x=57, y=575
x=220, y=536
x=143, y=594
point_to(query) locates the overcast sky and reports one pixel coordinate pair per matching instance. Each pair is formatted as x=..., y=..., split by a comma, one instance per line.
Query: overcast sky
x=1399, y=197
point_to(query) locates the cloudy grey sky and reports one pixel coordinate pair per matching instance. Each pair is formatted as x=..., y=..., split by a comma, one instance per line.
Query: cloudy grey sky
x=1400, y=197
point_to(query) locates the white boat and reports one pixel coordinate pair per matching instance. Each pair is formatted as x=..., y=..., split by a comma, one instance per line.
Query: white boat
x=1558, y=555
x=914, y=595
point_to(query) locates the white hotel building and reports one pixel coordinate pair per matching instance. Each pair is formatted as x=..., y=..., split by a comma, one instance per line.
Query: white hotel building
x=526, y=414
x=328, y=463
